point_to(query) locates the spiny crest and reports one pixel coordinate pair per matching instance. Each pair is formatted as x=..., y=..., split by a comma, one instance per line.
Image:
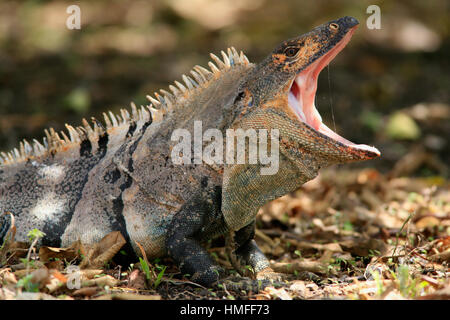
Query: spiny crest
x=160, y=105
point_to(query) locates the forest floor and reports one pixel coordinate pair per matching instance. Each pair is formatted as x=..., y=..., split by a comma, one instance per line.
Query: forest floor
x=349, y=234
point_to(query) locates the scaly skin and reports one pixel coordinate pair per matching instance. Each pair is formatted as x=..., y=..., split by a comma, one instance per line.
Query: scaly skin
x=122, y=177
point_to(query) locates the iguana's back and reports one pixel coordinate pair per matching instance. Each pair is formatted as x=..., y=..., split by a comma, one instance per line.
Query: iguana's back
x=120, y=177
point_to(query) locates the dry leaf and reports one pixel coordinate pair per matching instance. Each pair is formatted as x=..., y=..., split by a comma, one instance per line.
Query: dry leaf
x=54, y=284
x=40, y=276
x=428, y=221
x=34, y=296
x=441, y=256
x=58, y=275
x=87, y=291
x=48, y=253
x=363, y=247
x=57, y=265
x=6, y=275
x=299, y=286
x=103, y=251
x=136, y=280
x=443, y=294
x=311, y=266
x=128, y=296
x=87, y=274
x=278, y=293
x=101, y=282
x=7, y=293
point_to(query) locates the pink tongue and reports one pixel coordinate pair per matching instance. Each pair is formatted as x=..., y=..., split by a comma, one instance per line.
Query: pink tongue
x=307, y=86
x=327, y=131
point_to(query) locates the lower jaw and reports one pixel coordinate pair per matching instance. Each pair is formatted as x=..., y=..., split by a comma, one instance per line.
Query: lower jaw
x=307, y=113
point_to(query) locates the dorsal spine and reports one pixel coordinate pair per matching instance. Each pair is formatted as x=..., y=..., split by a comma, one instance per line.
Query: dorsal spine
x=160, y=105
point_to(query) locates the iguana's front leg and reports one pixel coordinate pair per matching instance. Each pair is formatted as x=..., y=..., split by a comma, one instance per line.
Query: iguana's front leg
x=249, y=252
x=186, y=232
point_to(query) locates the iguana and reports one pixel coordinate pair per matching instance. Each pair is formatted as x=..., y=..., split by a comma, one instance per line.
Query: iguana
x=97, y=178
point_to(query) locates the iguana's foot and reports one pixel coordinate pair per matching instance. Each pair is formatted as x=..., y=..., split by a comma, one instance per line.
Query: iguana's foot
x=207, y=276
x=269, y=274
x=235, y=283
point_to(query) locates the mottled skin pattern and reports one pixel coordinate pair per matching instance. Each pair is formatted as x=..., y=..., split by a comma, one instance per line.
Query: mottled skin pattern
x=122, y=177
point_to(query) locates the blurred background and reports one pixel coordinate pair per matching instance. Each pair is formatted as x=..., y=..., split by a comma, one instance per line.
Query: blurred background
x=388, y=88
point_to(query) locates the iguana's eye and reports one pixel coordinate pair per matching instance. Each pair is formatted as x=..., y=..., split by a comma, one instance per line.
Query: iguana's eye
x=334, y=26
x=291, y=51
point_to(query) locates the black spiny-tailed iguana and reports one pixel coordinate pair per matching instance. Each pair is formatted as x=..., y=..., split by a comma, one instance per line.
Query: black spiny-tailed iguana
x=95, y=179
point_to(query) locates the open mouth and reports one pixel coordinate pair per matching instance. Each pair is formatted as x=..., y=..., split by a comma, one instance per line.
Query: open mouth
x=303, y=92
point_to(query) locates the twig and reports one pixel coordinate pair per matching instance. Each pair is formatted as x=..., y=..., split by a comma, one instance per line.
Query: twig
x=264, y=237
x=146, y=260
x=398, y=233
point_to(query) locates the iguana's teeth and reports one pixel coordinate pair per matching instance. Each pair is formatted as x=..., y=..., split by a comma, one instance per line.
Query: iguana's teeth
x=226, y=59
x=153, y=101
x=213, y=67
x=113, y=119
x=175, y=91
x=107, y=121
x=219, y=62
x=181, y=87
x=188, y=82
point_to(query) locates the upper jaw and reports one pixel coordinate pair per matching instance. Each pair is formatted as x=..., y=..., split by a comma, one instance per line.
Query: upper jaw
x=301, y=98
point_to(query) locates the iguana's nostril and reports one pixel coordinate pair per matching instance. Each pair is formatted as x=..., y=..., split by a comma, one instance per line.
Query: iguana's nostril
x=351, y=22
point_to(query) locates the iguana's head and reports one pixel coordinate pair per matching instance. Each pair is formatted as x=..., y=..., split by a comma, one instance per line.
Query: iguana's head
x=283, y=86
